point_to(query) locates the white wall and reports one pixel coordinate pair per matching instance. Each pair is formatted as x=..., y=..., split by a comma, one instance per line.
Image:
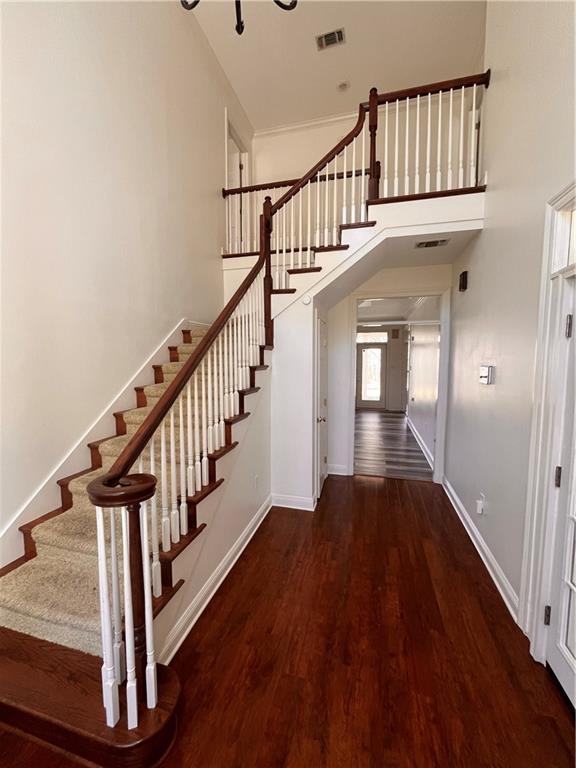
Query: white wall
x=290, y=152
x=529, y=151
x=401, y=281
x=423, y=390
x=113, y=161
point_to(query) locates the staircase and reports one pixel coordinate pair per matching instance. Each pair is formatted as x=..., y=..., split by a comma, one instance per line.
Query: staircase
x=78, y=610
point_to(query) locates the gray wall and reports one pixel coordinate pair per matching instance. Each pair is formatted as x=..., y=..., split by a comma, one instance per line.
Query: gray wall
x=529, y=154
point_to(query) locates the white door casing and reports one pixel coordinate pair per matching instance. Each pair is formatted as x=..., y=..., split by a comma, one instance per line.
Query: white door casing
x=321, y=404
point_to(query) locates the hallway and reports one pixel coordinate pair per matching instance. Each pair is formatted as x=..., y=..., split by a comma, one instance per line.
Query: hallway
x=365, y=635
x=385, y=446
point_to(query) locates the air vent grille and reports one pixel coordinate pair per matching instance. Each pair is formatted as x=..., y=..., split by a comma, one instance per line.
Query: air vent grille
x=330, y=38
x=431, y=243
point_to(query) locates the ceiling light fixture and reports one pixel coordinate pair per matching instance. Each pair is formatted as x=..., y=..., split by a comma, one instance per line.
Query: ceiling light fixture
x=289, y=6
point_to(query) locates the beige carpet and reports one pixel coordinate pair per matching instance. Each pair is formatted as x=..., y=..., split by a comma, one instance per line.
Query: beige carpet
x=54, y=596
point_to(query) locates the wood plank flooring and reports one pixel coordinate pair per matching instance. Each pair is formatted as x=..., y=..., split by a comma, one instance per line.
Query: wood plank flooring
x=365, y=635
x=385, y=446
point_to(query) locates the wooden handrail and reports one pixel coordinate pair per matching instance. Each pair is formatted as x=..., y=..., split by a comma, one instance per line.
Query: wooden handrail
x=423, y=90
x=322, y=163
x=102, y=487
x=289, y=183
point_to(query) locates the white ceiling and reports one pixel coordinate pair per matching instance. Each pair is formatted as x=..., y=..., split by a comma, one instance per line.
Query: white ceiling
x=281, y=78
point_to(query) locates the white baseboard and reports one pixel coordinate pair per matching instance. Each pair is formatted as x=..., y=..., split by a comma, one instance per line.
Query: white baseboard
x=498, y=576
x=338, y=469
x=294, y=502
x=181, y=629
x=47, y=495
x=424, y=448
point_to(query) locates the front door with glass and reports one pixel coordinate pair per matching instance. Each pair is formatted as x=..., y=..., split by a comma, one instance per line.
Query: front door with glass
x=371, y=376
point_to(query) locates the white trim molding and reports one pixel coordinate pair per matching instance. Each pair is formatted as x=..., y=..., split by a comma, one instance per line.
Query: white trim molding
x=181, y=629
x=338, y=469
x=498, y=576
x=419, y=439
x=535, y=580
x=305, y=503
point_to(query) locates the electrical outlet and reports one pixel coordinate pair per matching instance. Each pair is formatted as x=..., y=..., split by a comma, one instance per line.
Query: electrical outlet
x=480, y=504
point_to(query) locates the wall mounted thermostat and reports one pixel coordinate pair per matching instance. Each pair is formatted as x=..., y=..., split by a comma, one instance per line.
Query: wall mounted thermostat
x=486, y=374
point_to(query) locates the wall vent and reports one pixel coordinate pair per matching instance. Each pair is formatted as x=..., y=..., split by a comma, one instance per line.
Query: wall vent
x=330, y=38
x=431, y=243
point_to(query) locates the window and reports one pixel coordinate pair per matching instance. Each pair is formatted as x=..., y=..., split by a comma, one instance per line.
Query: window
x=371, y=368
x=380, y=337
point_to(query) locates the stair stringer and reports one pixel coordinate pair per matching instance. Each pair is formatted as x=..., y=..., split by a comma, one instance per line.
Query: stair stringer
x=422, y=218
x=232, y=514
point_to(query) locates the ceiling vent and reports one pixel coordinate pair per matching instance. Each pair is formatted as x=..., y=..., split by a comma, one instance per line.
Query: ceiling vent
x=431, y=243
x=330, y=39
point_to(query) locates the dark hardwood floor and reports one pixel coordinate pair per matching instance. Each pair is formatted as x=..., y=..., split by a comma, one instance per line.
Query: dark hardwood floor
x=385, y=446
x=365, y=635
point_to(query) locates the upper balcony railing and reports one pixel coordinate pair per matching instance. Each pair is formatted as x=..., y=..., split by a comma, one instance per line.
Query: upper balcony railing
x=420, y=141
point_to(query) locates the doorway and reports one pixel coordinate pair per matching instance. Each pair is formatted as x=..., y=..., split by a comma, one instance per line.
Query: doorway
x=237, y=176
x=396, y=397
x=548, y=589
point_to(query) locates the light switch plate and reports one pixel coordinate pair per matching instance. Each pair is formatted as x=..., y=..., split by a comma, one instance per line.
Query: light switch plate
x=486, y=374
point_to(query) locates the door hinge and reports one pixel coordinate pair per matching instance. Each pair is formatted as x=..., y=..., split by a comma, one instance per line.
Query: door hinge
x=558, y=477
x=547, y=614
x=569, y=324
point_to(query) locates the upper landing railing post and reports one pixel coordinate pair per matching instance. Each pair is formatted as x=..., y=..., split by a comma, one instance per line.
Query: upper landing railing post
x=265, y=237
x=374, y=178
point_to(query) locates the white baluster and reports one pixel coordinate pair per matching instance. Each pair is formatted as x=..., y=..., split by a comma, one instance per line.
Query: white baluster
x=396, y=138
x=237, y=370
x=212, y=352
x=406, y=150
x=190, y=479
x=109, y=680
x=429, y=121
x=461, y=144
x=237, y=248
x=175, y=512
x=344, y=187
x=156, y=571
x=151, y=683
x=119, y=658
x=221, y=367
x=417, y=161
x=439, y=146
x=335, y=203
x=309, y=227
x=197, y=461
x=353, y=218
x=284, y=245
x=131, y=684
x=363, y=177
x=164, y=490
x=300, y=245
x=183, y=494
x=227, y=388
x=386, y=140
x=318, y=209
x=326, y=240
x=210, y=416
x=292, y=240
x=204, y=461
x=227, y=214
x=246, y=343
x=472, y=180
x=450, y=118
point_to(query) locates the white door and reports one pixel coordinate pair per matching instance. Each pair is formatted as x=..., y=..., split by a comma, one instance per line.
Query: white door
x=561, y=641
x=371, y=375
x=321, y=404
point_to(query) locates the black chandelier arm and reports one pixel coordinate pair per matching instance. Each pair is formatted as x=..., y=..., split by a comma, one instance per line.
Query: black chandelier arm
x=189, y=5
x=239, y=22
